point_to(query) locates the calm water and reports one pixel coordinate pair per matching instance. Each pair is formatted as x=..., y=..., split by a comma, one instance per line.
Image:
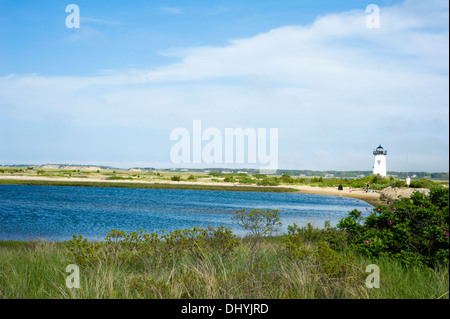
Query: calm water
x=56, y=213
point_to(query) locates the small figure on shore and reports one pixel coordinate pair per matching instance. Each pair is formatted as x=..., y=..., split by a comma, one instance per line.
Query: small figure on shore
x=350, y=190
x=340, y=188
x=408, y=181
x=368, y=186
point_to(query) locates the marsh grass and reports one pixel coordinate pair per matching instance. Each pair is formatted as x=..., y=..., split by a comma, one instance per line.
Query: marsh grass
x=161, y=185
x=31, y=269
x=36, y=270
x=419, y=282
x=249, y=180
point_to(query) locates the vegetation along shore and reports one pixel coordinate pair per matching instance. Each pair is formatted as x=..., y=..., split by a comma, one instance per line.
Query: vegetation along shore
x=234, y=181
x=407, y=239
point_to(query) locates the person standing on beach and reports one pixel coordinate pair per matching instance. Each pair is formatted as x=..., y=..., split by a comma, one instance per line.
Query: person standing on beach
x=408, y=181
x=368, y=186
x=340, y=188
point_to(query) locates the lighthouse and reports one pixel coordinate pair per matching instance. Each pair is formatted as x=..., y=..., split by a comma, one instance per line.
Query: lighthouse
x=379, y=165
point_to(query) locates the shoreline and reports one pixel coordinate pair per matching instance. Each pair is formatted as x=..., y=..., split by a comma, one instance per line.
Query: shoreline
x=370, y=198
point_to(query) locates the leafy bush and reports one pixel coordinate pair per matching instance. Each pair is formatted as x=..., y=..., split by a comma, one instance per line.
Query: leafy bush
x=246, y=180
x=81, y=251
x=285, y=178
x=198, y=242
x=268, y=181
x=308, y=233
x=293, y=245
x=229, y=179
x=397, y=183
x=260, y=223
x=422, y=183
x=176, y=178
x=333, y=265
x=414, y=230
x=130, y=248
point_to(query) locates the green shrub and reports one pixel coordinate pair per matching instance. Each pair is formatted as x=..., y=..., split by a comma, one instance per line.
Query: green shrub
x=414, y=230
x=246, y=180
x=81, y=251
x=272, y=181
x=308, y=233
x=131, y=248
x=260, y=223
x=423, y=183
x=397, y=183
x=334, y=265
x=285, y=178
x=229, y=179
x=293, y=245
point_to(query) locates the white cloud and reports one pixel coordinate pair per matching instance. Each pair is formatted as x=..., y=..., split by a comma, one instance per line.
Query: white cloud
x=322, y=82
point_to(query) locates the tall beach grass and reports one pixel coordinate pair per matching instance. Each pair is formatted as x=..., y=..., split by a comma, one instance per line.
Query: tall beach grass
x=36, y=270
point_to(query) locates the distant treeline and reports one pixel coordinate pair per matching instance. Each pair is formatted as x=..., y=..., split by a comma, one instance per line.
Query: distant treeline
x=310, y=173
x=418, y=175
x=291, y=172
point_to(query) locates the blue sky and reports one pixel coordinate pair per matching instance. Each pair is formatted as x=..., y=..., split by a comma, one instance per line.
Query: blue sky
x=112, y=91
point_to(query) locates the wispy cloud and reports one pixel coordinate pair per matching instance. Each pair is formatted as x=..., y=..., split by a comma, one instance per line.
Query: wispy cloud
x=171, y=10
x=91, y=30
x=106, y=22
x=85, y=34
x=331, y=87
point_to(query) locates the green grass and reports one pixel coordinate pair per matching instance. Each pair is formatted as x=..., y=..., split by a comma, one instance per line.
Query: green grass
x=376, y=182
x=31, y=270
x=396, y=281
x=146, y=185
x=37, y=270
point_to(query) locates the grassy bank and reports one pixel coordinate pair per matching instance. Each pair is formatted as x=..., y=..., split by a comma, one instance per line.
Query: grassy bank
x=137, y=184
x=376, y=182
x=37, y=270
x=353, y=187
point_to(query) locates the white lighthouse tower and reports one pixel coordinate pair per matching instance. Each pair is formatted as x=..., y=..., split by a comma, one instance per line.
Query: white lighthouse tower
x=379, y=166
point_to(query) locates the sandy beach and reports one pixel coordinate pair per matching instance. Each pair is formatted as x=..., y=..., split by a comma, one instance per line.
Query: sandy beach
x=371, y=198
